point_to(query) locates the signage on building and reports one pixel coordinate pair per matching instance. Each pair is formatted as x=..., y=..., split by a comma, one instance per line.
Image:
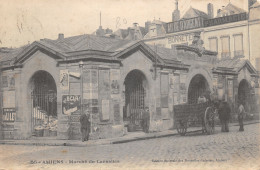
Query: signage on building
x=225, y=20
x=185, y=24
x=70, y=104
x=9, y=114
x=64, y=79
x=180, y=39
x=114, y=79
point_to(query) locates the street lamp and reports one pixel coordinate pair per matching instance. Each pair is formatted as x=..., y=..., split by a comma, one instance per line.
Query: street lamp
x=81, y=86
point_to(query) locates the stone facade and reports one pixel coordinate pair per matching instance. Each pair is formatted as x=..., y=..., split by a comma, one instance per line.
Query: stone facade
x=96, y=81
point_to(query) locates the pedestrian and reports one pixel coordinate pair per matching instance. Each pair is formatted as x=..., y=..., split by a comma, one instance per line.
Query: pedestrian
x=146, y=120
x=85, y=126
x=241, y=116
x=224, y=116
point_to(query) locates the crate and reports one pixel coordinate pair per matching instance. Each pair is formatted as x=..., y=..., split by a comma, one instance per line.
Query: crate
x=46, y=132
x=53, y=133
x=39, y=133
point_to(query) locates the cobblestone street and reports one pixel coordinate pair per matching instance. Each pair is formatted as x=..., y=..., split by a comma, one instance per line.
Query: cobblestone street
x=239, y=149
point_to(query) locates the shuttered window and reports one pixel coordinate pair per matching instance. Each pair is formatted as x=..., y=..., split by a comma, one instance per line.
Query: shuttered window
x=238, y=45
x=213, y=44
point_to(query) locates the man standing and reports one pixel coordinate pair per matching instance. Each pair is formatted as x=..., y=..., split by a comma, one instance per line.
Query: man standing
x=224, y=116
x=241, y=115
x=146, y=120
x=85, y=126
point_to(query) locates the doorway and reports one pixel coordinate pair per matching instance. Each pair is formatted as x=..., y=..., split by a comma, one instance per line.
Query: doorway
x=198, y=86
x=135, y=98
x=43, y=104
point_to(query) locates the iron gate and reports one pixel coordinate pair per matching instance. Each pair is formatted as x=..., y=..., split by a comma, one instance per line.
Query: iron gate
x=44, y=104
x=136, y=104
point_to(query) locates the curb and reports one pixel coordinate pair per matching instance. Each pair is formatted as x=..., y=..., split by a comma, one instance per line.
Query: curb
x=107, y=142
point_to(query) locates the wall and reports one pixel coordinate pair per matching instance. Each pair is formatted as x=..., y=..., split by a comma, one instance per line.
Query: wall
x=99, y=98
x=38, y=61
x=160, y=119
x=254, y=27
x=227, y=30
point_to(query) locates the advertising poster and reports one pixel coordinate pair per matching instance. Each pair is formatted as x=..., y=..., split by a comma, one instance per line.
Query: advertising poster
x=11, y=82
x=9, y=99
x=9, y=114
x=114, y=80
x=71, y=104
x=64, y=79
x=86, y=80
x=104, y=83
x=4, y=81
x=105, y=110
x=230, y=89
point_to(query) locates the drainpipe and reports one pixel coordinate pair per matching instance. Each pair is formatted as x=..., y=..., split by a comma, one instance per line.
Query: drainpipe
x=249, y=54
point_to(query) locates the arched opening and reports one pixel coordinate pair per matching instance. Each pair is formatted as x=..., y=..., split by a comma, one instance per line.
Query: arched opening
x=136, y=100
x=245, y=96
x=43, y=91
x=198, y=86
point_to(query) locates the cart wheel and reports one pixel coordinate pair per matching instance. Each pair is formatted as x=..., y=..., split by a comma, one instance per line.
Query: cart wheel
x=209, y=120
x=182, y=128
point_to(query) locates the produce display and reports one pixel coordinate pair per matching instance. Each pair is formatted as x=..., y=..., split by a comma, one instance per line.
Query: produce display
x=47, y=127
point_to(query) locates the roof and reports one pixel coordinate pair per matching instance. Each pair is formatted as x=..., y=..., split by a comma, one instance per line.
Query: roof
x=235, y=64
x=192, y=13
x=255, y=5
x=230, y=9
x=164, y=53
x=9, y=54
x=90, y=47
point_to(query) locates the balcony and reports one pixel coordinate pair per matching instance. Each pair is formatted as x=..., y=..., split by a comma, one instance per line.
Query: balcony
x=225, y=55
x=239, y=54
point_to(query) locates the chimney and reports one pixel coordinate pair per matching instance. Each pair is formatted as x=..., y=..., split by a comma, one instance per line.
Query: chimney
x=210, y=10
x=135, y=24
x=147, y=25
x=176, y=12
x=60, y=36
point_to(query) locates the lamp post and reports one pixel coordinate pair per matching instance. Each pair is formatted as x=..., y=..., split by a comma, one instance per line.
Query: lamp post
x=81, y=87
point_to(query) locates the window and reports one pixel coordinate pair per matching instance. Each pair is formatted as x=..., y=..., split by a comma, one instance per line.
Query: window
x=164, y=90
x=225, y=47
x=238, y=46
x=213, y=44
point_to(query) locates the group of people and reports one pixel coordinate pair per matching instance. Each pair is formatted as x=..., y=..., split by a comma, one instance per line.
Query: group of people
x=224, y=112
x=225, y=116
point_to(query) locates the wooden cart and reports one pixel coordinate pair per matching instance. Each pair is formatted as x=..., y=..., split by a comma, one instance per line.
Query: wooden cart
x=187, y=115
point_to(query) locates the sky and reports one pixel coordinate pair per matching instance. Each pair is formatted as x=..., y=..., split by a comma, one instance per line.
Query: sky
x=26, y=21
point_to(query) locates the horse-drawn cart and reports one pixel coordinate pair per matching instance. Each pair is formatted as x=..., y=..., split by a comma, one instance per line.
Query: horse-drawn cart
x=187, y=115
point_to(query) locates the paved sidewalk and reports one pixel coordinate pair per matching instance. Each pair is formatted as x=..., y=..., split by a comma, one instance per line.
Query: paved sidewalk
x=132, y=136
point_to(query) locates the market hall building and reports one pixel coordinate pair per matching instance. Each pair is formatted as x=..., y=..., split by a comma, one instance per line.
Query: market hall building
x=47, y=85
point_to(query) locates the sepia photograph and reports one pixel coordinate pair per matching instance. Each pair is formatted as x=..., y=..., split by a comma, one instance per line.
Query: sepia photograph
x=130, y=84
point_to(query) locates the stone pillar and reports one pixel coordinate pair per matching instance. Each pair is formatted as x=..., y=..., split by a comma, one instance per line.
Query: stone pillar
x=235, y=91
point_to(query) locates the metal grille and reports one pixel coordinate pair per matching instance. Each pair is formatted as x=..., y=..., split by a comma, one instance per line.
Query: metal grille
x=44, y=104
x=136, y=104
